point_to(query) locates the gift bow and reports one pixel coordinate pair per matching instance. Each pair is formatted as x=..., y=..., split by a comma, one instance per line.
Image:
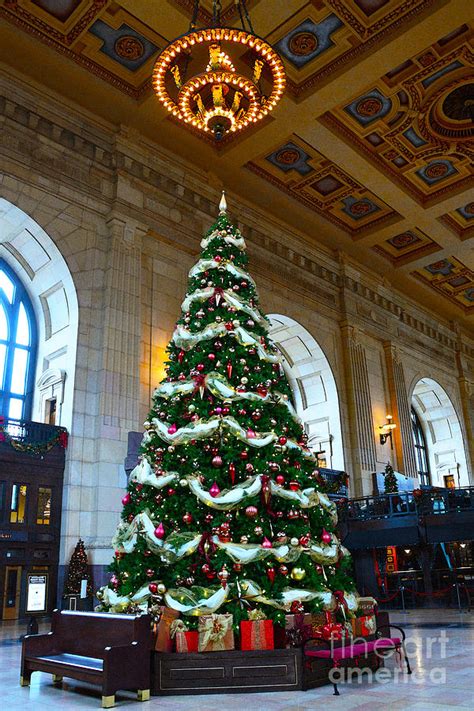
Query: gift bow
x=256, y=615
x=213, y=628
x=177, y=626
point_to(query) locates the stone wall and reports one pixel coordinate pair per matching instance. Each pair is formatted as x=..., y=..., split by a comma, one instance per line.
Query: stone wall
x=127, y=218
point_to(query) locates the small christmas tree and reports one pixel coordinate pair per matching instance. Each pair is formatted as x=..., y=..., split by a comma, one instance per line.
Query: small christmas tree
x=390, y=480
x=225, y=509
x=78, y=570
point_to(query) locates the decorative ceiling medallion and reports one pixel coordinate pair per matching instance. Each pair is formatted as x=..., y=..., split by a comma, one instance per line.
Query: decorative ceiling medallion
x=303, y=43
x=129, y=47
x=406, y=247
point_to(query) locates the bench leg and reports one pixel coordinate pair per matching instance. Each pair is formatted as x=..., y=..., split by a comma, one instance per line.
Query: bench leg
x=336, y=690
x=25, y=680
x=143, y=694
x=57, y=679
x=108, y=701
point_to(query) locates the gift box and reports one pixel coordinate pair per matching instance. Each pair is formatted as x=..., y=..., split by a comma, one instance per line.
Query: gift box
x=256, y=634
x=364, y=626
x=366, y=605
x=186, y=640
x=163, y=639
x=215, y=633
x=298, y=628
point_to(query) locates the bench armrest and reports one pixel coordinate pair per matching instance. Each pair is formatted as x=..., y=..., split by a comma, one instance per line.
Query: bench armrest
x=126, y=666
x=37, y=644
x=389, y=627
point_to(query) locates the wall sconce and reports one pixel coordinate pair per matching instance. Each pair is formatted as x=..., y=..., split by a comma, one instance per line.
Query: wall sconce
x=386, y=430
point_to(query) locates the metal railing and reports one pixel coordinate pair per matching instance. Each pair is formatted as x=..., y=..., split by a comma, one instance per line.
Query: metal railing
x=28, y=432
x=447, y=501
x=373, y=507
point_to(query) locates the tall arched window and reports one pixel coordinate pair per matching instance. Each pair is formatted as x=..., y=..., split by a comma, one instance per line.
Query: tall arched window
x=421, y=452
x=17, y=347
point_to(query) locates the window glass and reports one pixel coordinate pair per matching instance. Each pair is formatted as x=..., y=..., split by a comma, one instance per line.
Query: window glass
x=18, y=503
x=17, y=346
x=15, y=411
x=20, y=361
x=43, y=512
x=3, y=323
x=7, y=285
x=23, y=327
x=3, y=355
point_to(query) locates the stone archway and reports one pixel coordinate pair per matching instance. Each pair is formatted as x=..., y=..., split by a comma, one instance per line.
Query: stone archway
x=443, y=433
x=314, y=387
x=34, y=257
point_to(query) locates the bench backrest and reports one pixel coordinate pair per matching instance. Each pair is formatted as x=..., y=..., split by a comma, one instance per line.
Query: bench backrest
x=88, y=633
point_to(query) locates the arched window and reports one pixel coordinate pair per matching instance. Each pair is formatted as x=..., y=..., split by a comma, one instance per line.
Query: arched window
x=17, y=347
x=421, y=452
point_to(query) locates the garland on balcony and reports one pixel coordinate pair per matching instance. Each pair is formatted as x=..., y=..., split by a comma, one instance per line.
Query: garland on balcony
x=33, y=448
x=334, y=484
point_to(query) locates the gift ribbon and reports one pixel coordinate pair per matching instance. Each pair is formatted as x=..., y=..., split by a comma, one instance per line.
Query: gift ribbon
x=177, y=626
x=213, y=629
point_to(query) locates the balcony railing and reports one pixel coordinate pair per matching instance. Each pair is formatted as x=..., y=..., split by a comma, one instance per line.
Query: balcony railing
x=447, y=501
x=32, y=437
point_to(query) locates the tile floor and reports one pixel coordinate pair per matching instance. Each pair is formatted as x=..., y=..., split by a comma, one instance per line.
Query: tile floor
x=442, y=680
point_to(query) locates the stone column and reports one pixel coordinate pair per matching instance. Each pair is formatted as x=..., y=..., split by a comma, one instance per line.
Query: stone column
x=360, y=411
x=466, y=391
x=400, y=410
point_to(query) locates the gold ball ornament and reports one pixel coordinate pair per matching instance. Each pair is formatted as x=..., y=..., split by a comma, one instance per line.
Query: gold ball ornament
x=294, y=542
x=298, y=573
x=161, y=588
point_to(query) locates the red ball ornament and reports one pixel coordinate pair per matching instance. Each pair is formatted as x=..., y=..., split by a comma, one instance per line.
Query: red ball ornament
x=237, y=567
x=216, y=462
x=294, y=485
x=171, y=492
x=218, y=258
x=130, y=518
x=200, y=366
x=211, y=356
x=147, y=553
x=283, y=570
x=280, y=479
x=153, y=588
x=304, y=540
x=206, y=568
x=326, y=536
x=209, y=518
x=244, y=454
x=282, y=440
x=150, y=572
x=274, y=466
x=187, y=518
x=249, y=467
x=126, y=499
x=251, y=512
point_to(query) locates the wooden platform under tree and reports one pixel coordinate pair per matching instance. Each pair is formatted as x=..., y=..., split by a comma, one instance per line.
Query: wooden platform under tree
x=236, y=672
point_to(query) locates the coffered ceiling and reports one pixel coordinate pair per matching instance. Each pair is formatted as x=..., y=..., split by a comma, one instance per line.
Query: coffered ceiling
x=369, y=152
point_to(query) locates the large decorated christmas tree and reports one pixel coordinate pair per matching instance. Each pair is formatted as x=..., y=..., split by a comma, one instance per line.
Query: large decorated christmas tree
x=225, y=511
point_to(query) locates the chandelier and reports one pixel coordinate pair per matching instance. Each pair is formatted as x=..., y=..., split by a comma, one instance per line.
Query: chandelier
x=219, y=80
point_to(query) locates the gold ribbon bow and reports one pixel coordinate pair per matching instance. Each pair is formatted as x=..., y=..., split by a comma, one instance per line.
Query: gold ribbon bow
x=256, y=615
x=213, y=629
x=177, y=626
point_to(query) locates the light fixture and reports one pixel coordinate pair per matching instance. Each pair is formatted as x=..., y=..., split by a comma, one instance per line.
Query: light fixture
x=386, y=430
x=463, y=545
x=407, y=550
x=219, y=80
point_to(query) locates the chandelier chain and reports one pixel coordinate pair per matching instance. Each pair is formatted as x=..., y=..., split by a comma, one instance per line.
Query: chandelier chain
x=247, y=16
x=216, y=12
x=194, y=17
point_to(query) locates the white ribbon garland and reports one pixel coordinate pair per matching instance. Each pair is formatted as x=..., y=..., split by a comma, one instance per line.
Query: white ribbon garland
x=229, y=297
x=186, y=340
x=203, y=265
x=237, y=241
x=219, y=386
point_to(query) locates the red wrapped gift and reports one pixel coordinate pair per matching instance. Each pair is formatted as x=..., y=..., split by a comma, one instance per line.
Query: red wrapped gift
x=164, y=642
x=366, y=605
x=186, y=640
x=364, y=626
x=256, y=634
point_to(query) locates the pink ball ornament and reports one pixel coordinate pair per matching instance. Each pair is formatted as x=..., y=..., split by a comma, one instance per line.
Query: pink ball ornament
x=211, y=356
x=216, y=463
x=172, y=429
x=187, y=518
x=251, y=511
x=280, y=479
x=160, y=531
x=126, y=499
x=214, y=490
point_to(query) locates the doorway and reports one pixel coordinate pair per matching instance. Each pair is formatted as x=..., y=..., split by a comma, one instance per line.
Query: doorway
x=11, y=597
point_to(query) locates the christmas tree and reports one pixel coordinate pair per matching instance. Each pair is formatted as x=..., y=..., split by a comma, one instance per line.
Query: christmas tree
x=225, y=511
x=78, y=571
x=390, y=480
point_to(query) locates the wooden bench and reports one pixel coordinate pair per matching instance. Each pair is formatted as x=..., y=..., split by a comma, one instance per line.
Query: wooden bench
x=100, y=648
x=381, y=644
